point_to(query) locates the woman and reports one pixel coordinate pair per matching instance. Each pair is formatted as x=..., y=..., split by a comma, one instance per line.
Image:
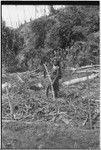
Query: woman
x=55, y=76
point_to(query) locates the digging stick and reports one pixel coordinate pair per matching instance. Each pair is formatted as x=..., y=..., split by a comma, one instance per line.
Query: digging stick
x=50, y=81
x=10, y=105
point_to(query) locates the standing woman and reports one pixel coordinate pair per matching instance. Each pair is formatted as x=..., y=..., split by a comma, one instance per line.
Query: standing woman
x=55, y=76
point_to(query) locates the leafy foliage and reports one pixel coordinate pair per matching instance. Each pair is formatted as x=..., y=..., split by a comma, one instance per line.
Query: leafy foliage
x=67, y=29
x=12, y=43
x=74, y=28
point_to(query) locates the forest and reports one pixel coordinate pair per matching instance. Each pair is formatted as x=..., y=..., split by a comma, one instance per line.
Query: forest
x=30, y=119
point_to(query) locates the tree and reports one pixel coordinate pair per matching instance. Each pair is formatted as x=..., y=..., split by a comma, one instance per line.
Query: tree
x=12, y=43
x=67, y=28
x=52, y=11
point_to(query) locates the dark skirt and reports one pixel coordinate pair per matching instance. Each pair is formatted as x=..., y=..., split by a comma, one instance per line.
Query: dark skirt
x=55, y=88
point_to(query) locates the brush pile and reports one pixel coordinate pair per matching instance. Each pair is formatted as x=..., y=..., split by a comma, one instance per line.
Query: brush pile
x=71, y=121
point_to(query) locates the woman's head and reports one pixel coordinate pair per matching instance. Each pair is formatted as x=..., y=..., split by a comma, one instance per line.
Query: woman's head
x=56, y=63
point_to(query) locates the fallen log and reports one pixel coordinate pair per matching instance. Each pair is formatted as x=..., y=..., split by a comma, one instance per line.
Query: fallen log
x=84, y=68
x=80, y=71
x=77, y=80
x=87, y=67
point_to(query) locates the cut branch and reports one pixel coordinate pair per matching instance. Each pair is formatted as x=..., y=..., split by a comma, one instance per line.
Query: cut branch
x=10, y=103
x=77, y=80
x=83, y=68
x=20, y=78
x=87, y=67
x=94, y=71
x=89, y=100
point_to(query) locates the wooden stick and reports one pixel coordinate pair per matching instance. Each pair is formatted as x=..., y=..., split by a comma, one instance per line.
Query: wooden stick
x=96, y=71
x=84, y=123
x=20, y=78
x=86, y=67
x=77, y=80
x=10, y=103
x=89, y=101
x=50, y=82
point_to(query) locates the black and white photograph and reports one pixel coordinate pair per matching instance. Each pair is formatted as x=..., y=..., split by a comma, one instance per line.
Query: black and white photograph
x=50, y=75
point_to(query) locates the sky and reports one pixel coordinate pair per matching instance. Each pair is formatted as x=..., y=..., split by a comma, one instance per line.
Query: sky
x=14, y=15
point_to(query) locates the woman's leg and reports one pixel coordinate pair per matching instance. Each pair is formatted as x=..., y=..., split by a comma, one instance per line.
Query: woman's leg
x=56, y=88
x=47, y=90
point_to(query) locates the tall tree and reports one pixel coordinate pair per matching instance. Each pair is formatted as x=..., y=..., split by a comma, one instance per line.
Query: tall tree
x=51, y=9
x=12, y=43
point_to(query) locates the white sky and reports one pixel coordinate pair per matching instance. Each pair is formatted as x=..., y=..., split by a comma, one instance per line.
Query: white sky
x=14, y=15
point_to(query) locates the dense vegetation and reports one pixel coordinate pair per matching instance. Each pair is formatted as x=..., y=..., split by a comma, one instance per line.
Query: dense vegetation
x=72, y=32
x=12, y=44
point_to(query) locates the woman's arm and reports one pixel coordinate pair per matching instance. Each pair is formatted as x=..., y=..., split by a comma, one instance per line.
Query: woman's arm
x=56, y=76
